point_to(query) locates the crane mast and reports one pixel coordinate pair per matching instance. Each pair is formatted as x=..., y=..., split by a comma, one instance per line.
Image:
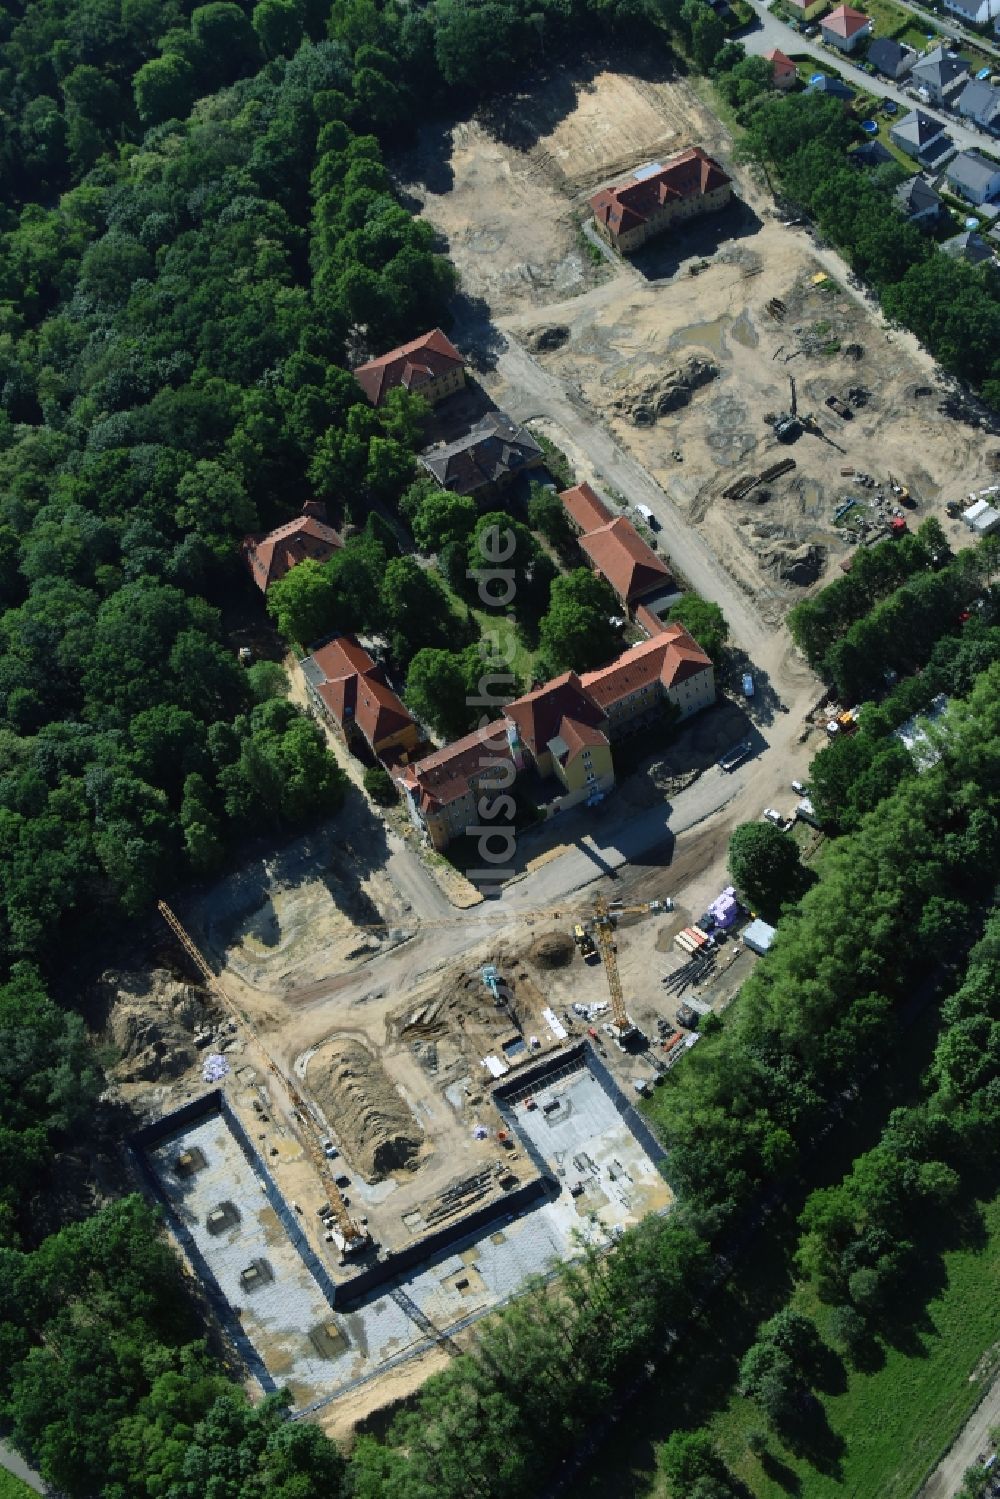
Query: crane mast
x=602, y=924
x=350, y=1237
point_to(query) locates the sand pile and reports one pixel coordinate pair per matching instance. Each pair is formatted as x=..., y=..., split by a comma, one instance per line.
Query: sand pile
x=374, y=1126
x=644, y=401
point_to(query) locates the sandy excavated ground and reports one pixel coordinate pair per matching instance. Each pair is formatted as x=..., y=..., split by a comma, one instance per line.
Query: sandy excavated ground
x=509, y=194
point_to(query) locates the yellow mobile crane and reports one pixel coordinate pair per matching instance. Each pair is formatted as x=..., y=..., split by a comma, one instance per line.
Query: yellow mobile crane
x=349, y=1237
x=602, y=925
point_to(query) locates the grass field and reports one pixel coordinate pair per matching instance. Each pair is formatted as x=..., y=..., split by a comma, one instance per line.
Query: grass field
x=887, y=1428
x=13, y=1488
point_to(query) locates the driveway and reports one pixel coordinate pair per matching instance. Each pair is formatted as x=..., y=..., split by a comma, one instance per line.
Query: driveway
x=774, y=33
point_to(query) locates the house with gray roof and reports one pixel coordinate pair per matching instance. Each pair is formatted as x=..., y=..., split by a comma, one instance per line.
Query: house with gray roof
x=939, y=72
x=980, y=101
x=968, y=246
x=870, y=154
x=920, y=136
x=917, y=199
x=486, y=459
x=833, y=88
x=974, y=177
x=978, y=11
x=890, y=59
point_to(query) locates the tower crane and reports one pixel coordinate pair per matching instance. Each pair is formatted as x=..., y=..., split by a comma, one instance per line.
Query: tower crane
x=602, y=924
x=349, y=1237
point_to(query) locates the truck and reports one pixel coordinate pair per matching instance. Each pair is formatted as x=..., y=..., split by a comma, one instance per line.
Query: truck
x=648, y=516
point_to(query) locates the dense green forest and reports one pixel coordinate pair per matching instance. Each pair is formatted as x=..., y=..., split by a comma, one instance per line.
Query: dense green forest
x=198, y=238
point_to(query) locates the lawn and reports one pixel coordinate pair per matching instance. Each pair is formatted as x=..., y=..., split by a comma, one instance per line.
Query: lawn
x=13, y=1488
x=892, y=20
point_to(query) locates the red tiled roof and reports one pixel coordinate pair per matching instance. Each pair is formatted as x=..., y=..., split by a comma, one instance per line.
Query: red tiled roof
x=355, y=690
x=630, y=566
x=668, y=659
x=844, y=21
x=270, y=557
x=782, y=64
x=444, y=776
x=692, y=174
x=578, y=737
x=539, y=714
x=411, y=366
x=585, y=507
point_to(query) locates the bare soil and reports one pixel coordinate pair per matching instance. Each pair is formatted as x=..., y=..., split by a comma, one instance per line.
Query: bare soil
x=378, y=1134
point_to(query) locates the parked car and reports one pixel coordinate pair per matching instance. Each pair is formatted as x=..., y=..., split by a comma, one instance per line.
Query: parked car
x=747, y=684
x=329, y=1149
x=799, y=787
x=735, y=756
x=774, y=816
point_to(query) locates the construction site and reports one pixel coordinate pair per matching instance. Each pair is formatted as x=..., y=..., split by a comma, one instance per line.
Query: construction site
x=426, y=1169
x=683, y=351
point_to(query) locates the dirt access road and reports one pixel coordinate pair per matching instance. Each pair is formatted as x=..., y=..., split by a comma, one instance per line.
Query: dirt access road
x=972, y=1441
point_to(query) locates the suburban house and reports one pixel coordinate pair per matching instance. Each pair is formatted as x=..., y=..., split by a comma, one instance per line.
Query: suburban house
x=978, y=11
x=657, y=196
x=270, y=557
x=975, y=177
x=783, y=70
x=349, y=690
x=484, y=460
x=807, y=10
x=920, y=136
x=845, y=28
x=980, y=101
x=616, y=551
x=832, y=88
x=939, y=73
x=968, y=246
x=917, y=199
x=890, y=58
x=562, y=732
x=430, y=366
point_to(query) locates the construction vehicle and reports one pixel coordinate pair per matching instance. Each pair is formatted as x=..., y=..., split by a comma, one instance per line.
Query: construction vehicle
x=584, y=941
x=786, y=428
x=840, y=407
x=350, y=1237
x=901, y=493
x=602, y=925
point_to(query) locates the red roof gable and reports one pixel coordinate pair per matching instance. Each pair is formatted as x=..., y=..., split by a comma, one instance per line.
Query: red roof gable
x=620, y=554
x=844, y=21
x=692, y=174
x=669, y=658
x=585, y=508
x=410, y=366
x=445, y=776
x=782, y=64
x=270, y=557
x=354, y=689
x=539, y=715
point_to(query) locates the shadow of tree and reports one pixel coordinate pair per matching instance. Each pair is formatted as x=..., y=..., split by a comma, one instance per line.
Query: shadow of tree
x=780, y=1473
x=809, y=1435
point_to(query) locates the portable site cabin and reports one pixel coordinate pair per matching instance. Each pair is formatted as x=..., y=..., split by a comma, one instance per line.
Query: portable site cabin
x=982, y=518
x=758, y=936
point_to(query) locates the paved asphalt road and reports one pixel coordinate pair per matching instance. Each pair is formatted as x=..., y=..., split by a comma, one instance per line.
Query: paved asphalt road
x=774, y=33
x=15, y=1464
